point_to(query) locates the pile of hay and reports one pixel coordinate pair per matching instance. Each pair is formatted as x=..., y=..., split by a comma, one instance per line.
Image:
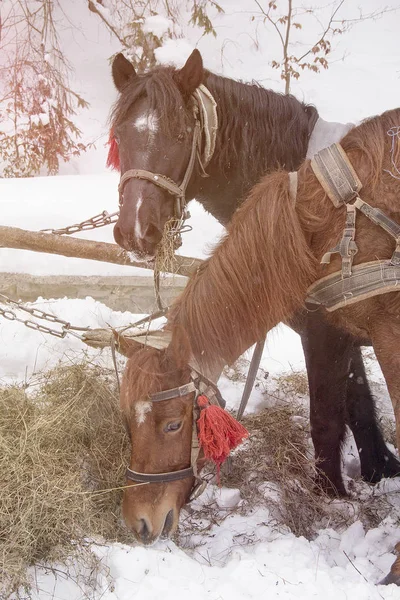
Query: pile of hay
x=63, y=451
x=275, y=468
x=277, y=459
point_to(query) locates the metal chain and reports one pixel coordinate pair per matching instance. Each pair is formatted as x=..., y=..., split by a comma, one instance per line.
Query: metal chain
x=66, y=327
x=95, y=222
x=39, y=314
x=11, y=316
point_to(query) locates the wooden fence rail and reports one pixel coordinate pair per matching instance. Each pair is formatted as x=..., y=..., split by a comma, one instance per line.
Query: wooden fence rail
x=12, y=237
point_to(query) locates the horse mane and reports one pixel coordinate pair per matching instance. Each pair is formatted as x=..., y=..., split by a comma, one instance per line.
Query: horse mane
x=144, y=373
x=281, y=123
x=242, y=291
x=369, y=148
x=260, y=271
x=162, y=92
x=148, y=371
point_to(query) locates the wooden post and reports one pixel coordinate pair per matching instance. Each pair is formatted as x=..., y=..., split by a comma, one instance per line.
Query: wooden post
x=13, y=237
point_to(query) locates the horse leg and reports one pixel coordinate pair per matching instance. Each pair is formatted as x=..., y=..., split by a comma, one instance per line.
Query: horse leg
x=376, y=459
x=327, y=352
x=384, y=337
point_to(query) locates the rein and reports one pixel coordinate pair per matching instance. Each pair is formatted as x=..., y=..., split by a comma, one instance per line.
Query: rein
x=204, y=109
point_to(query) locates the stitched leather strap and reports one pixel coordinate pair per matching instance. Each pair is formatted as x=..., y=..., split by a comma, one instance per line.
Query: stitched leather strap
x=158, y=477
x=366, y=280
x=336, y=175
x=176, y=392
x=160, y=180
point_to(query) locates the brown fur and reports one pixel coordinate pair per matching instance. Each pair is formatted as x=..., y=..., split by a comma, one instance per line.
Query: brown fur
x=259, y=273
x=146, y=507
x=243, y=290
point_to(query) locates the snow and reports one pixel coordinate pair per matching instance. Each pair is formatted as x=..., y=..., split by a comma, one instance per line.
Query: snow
x=174, y=52
x=157, y=24
x=243, y=556
x=54, y=202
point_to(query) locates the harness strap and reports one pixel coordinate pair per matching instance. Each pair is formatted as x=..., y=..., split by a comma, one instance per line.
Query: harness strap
x=158, y=477
x=189, y=171
x=336, y=174
x=176, y=392
x=367, y=280
x=339, y=180
x=347, y=247
x=160, y=180
x=378, y=217
x=209, y=121
x=293, y=184
x=251, y=377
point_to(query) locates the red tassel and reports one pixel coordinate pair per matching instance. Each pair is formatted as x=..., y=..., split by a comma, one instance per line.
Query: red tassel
x=219, y=433
x=113, y=153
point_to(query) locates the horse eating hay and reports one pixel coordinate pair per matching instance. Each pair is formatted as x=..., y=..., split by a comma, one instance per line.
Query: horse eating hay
x=257, y=277
x=235, y=138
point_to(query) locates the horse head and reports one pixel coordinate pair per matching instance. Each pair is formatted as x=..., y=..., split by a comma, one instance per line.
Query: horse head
x=175, y=419
x=161, y=441
x=153, y=128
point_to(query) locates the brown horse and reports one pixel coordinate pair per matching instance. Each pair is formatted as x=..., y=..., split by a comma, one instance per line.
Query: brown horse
x=257, y=277
x=259, y=131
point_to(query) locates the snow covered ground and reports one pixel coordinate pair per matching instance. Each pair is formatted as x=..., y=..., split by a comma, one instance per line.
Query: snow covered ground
x=244, y=556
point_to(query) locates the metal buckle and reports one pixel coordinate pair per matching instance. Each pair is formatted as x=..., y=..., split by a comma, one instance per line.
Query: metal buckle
x=197, y=490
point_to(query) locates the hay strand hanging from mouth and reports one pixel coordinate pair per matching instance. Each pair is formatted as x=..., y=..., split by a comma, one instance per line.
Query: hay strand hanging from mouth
x=165, y=255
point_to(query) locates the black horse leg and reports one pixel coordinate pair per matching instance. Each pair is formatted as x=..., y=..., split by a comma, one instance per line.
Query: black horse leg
x=376, y=459
x=327, y=352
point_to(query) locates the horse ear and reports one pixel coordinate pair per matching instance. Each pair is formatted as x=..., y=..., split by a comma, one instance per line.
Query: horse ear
x=191, y=75
x=178, y=352
x=122, y=71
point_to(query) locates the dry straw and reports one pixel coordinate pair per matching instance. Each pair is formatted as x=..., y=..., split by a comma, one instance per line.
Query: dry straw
x=165, y=262
x=62, y=456
x=275, y=469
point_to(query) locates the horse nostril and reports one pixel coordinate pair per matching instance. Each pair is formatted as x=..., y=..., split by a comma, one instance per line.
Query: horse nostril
x=144, y=531
x=152, y=234
x=169, y=521
x=119, y=236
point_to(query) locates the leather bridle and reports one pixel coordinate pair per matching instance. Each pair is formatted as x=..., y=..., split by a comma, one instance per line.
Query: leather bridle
x=204, y=109
x=199, y=384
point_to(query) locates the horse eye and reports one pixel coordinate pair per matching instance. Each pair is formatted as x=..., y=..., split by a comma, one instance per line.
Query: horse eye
x=170, y=427
x=116, y=139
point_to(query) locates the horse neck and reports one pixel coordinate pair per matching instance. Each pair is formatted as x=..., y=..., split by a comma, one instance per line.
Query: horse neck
x=256, y=278
x=259, y=131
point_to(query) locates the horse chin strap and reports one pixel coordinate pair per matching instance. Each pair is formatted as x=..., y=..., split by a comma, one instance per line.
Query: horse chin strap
x=204, y=109
x=198, y=385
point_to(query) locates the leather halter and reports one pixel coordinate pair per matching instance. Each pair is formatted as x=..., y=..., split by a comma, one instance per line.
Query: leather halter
x=204, y=110
x=199, y=384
